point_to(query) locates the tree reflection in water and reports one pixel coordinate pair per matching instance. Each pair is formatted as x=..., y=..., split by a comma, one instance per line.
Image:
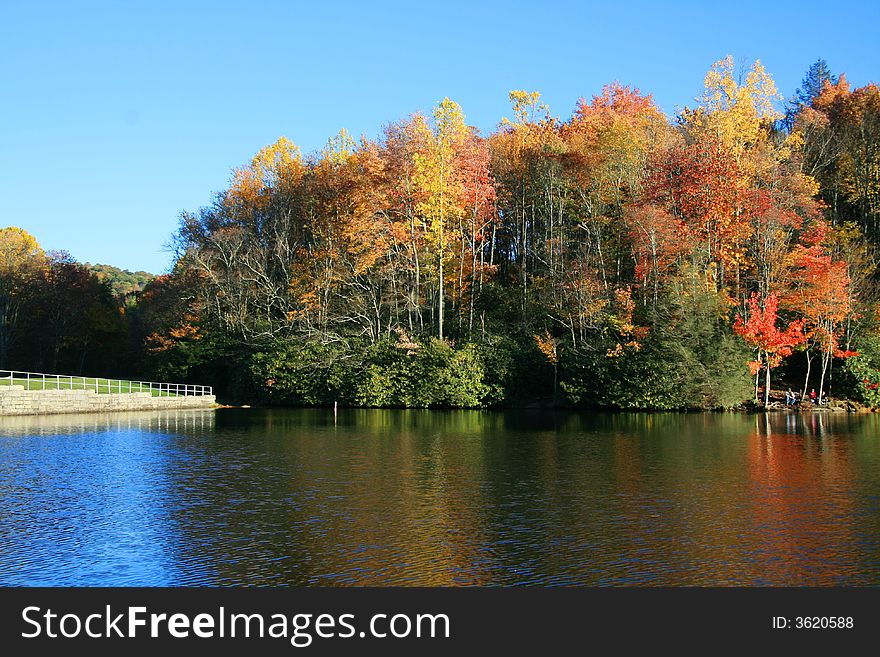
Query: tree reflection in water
x=380, y=497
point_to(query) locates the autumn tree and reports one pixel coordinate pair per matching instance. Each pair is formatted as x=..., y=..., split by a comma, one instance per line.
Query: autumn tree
x=734, y=111
x=820, y=291
x=844, y=143
x=659, y=241
x=477, y=224
x=21, y=261
x=526, y=165
x=402, y=142
x=173, y=326
x=610, y=142
x=771, y=343
x=438, y=173
x=247, y=244
x=353, y=246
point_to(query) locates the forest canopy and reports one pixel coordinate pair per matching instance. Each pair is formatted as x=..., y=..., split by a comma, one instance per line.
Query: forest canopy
x=614, y=258
x=122, y=282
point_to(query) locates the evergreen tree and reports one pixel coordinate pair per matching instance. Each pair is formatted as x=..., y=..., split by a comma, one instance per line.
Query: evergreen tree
x=811, y=86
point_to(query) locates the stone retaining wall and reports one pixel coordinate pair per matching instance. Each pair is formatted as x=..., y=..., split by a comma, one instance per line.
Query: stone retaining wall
x=15, y=400
x=164, y=421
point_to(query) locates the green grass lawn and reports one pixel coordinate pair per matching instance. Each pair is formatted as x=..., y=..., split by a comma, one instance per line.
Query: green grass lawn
x=101, y=386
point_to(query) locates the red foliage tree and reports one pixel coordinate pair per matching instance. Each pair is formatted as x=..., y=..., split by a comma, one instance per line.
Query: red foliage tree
x=821, y=293
x=771, y=343
x=700, y=185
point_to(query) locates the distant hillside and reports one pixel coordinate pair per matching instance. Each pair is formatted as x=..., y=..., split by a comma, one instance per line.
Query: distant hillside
x=122, y=281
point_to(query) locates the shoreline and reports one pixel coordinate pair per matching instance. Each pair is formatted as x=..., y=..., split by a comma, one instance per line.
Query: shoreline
x=855, y=410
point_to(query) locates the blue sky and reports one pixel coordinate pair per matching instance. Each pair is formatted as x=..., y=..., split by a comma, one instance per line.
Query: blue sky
x=116, y=116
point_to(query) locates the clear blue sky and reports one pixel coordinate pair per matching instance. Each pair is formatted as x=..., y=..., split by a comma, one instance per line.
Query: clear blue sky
x=117, y=116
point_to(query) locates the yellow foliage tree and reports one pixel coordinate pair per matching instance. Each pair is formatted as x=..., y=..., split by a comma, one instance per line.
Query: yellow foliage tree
x=17, y=248
x=733, y=109
x=20, y=258
x=436, y=175
x=277, y=167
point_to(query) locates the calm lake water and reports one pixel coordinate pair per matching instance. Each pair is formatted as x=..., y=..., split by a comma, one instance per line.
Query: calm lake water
x=288, y=497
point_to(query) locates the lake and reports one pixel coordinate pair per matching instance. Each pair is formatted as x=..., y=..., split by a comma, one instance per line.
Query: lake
x=439, y=498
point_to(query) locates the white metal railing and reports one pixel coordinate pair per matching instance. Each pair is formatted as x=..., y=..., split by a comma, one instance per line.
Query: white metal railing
x=39, y=381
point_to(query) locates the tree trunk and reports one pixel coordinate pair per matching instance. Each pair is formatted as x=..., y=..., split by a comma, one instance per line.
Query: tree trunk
x=440, y=299
x=757, y=376
x=807, y=378
x=826, y=359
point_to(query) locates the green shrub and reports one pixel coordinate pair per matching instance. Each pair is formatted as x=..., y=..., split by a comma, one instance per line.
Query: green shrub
x=303, y=374
x=434, y=374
